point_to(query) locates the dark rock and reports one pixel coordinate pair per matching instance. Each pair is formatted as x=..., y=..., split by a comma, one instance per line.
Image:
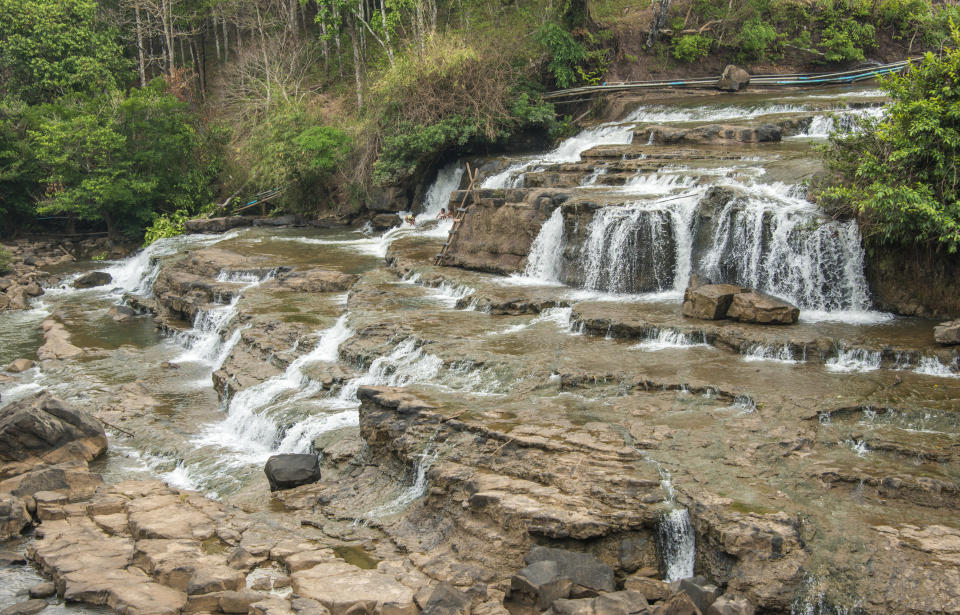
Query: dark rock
x=30, y=260
x=616, y=603
x=92, y=279
x=28, y=607
x=290, y=470
x=121, y=313
x=581, y=568
x=217, y=225
x=729, y=605
x=390, y=198
x=383, y=222
x=43, y=590
x=761, y=308
x=733, y=79
x=710, y=301
x=539, y=585
x=446, y=600
x=289, y=220
x=703, y=594
x=947, y=333
x=36, y=426
x=677, y=604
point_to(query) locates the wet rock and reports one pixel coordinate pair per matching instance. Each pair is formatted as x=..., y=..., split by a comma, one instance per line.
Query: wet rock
x=32, y=290
x=121, y=313
x=11, y=558
x=239, y=601
x=56, y=344
x=217, y=225
x=677, y=604
x=13, y=517
x=318, y=280
x=757, y=307
x=93, y=279
x=20, y=365
x=947, y=333
x=342, y=588
x=581, y=568
x=272, y=606
x=447, y=600
x=43, y=428
x=27, y=607
x=731, y=605
x=711, y=134
x=384, y=222
x=538, y=585
x=291, y=470
x=42, y=590
x=615, y=603
x=709, y=301
x=702, y=593
x=652, y=589
x=733, y=79
x=288, y=220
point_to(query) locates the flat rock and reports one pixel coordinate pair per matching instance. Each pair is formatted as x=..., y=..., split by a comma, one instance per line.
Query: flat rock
x=27, y=607
x=947, y=333
x=709, y=301
x=341, y=587
x=20, y=365
x=317, y=280
x=43, y=590
x=447, y=600
x=56, y=344
x=615, y=603
x=582, y=569
x=217, y=225
x=757, y=307
x=239, y=601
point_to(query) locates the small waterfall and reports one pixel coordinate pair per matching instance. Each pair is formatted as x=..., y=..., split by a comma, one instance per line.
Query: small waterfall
x=414, y=492
x=543, y=262
x=931, y=366
x=855, y=360
x=407, y=363
x=438, y=195
x=665, y=339
x=777, y=242
x=203, y=342
x=760, y=352
x=641, y=247
x=677, y=544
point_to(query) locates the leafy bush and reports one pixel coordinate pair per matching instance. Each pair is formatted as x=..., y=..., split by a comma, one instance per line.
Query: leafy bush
x=900, y=172
x=565, y=53
x=692, y=47
x=756, y=38
x=4, y=261
x=846, y=40
x=165, y=225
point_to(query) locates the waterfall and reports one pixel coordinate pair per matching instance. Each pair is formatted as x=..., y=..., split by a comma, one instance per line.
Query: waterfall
x=417, y=490
x=854, y=360
x=677, y=544
x=777, y=242
x=543, y=262
x=665, y=339
x=438, y=195
x=931, y=366
x=640, y=247
x=760, y=352
x=407, y=363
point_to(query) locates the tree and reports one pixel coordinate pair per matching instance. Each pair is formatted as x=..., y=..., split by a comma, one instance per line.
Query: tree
x=20, y=172
x=54, y=48
x=900, y=173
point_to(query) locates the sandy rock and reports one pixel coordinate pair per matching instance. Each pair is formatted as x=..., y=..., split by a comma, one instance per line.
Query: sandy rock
x=241, y=559
x=947, y=333
x=538, y=586
x=13, y=517
x=702, y=593
x=709, y=301
x=239, y=601
x=50, y=505
x=615, y=603
x=42, y=590
x=4, y=301
x=32, y=290
x=733, y=79
x=93, y=279
x=167, y=516
x=653, y=589
x=41, y=426
x=20, y=365
x=73, y=478
x=287, y=471
x=677, y=604
x=318, y=280
x=12, y=558
x=56, y=344
x=342, y=587
x=17, y=299
x=27, y=607
x=757, y=307
x=731, y=605
x=271, y=606
x=447, y=600
x=308, y=559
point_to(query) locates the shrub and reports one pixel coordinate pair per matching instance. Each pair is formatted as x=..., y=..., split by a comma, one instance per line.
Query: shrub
x=165, y=225
x=692, y=47
x=565, y=53
x=900, y=172
x=756, y=38
x=4, y=261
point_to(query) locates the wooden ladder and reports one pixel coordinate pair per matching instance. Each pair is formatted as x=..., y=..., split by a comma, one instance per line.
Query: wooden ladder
x=460, y=214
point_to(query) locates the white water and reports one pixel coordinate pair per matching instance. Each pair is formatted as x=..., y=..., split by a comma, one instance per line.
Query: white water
x=437, y=196
x=931, y=366
x=759, y=352
x=412, y=493
x=668, y=339
x=544, y=261
x=677, y=544
x=856, y=360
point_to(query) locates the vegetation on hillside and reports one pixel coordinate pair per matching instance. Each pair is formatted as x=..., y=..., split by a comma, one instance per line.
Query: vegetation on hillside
x=130, y=114
x=900, y=173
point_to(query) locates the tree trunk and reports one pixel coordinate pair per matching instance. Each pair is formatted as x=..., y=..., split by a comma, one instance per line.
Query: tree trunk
x=143, y=70
x=266, y=59
x=216, y=38
x=659, y=20
x=356, y=60
x=386, y=30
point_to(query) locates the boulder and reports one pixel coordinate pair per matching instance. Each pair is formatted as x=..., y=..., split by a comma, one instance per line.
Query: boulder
x=344, y=588
x=43, y=590
x=121, y=313
x=652, y=589
x=288, y=220
x=32, y=290
x=11, y=558
x=56, y=342
x=730, y=605
x=217, y=225
x=27, y=607
x=582, y=569
x=700, y=591
x=239, y=601
x=677, y=604
x=733, y=79
x=384, y=222
x=20, y=365
x=709, y=301
x=539, y=585
x=947, y=333
x=13, y=517
x=447, y=600
x=291, y=470
x=93, y=279
x=761, y=308
x=42, y=425
x=616, y=603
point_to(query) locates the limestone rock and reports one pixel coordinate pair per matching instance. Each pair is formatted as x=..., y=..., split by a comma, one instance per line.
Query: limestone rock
x=733, y=79
x=217, y=225
x=677, y=604
x=239, y=601
x=56, y=342
x=447, y=600
x=947, y=333
x=730, y=605
x=318, y=280
x=615, y=603
x=702, y=593
x=27, y=607
x=539, y=585
x=652, y=589
x=757, y=307
x=308, y=559
x=287, y=471
x=93, y=279
x=20, y=365
x=709, y=301
x=13, y=517
x=271, y=606
x=43, y=590
x=342, y=587
x=39, y=426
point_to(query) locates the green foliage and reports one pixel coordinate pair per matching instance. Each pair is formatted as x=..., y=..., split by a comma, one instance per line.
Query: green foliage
x=691, y=47
x=846, y=39
x=166, y=225
x=901, y=172
x=54, y=48
x=20, y=172
x=4, y=261
x=565, y=53
x=756, y=38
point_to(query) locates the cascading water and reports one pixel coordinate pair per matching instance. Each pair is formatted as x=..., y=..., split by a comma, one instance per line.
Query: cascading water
x=782, y=354
x=677, y=544
x=438, y=195
x=854, y=360
x=666, y=339
x=543, y=262
x=414, y=492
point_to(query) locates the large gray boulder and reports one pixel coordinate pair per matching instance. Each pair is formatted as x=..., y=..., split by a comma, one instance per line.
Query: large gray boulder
x=582, y=569
x=93, y=279
x=733, y=79
x=947, y=333
x=43, y=428
x=538, y=586
x=761, y=308
x=291, y=470
x=447, y=600
x=709, y=301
